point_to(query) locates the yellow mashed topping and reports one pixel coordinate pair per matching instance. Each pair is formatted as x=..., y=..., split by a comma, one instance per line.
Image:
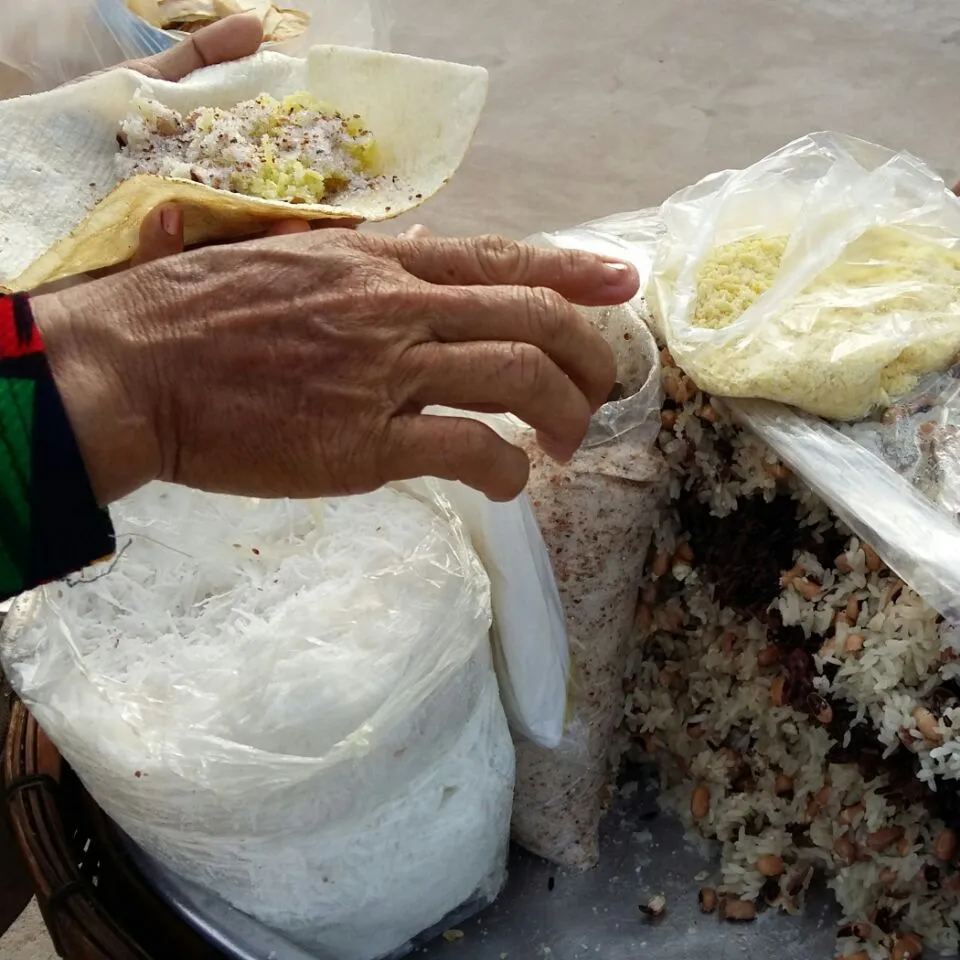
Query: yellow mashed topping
x=886, y=313
x=297, y=149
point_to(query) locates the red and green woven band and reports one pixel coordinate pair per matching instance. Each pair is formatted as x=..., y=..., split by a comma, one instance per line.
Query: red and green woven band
x=50, y=523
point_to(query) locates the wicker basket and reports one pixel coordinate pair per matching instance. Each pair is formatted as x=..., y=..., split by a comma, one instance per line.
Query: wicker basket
x=93, y=901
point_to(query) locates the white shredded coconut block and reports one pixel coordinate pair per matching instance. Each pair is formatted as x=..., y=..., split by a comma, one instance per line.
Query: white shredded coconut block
x=291, y=704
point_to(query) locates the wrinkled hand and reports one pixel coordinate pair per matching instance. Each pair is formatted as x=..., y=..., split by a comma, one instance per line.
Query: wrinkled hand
x=300, y=365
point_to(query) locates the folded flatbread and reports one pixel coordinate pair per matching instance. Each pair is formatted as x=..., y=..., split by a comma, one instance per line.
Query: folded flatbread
x=65, y=209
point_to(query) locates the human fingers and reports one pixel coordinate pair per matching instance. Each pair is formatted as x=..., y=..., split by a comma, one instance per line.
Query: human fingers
x=227, y=39
x=581, y=277
x=161, y=234
x=539, y=316
x=518, y=377
x=232, y=38
x=453, y=448
x=417, y=232
x=284, y=228
x=280, y=228
x=344, y=224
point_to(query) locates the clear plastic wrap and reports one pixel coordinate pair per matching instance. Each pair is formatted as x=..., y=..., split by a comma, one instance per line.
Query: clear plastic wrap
x=894, y=483
x=824, y=276
x=290, y=704
x=50, y=42
x=596, y=515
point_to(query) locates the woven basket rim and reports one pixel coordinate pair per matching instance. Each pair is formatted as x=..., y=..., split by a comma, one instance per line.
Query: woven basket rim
x=37, y=783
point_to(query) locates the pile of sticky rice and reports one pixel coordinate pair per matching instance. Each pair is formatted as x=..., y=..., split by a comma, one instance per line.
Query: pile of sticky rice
x=803, y=704
x=295, y=149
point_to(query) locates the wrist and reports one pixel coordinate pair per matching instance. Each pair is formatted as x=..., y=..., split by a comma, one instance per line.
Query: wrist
x=90, y=348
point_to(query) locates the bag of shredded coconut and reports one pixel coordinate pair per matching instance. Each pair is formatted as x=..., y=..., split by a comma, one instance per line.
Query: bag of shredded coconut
x=826, y=276
x=596, y=515
x=289, y=704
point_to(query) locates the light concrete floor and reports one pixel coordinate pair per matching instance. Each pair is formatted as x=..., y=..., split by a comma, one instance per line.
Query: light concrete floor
x=27, y=939
x=610, y=105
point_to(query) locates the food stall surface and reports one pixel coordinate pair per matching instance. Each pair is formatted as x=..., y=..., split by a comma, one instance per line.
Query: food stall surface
x=556, y=914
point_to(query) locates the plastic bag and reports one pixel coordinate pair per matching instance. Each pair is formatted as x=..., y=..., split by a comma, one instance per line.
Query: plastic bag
x=835, y=265
x=290, y=704
x=530, y=650
x=596, y=515
x=50, y=42
x=894, y=483
x=631, y=236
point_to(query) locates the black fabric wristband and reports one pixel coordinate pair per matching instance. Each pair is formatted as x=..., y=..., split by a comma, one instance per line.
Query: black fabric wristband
x=50, y=522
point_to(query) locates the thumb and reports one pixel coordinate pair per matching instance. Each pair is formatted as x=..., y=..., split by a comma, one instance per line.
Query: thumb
x=161, y=234
x=231, y=38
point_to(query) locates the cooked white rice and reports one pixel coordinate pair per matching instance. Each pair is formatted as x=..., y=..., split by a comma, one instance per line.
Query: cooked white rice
x=759, y=697
x=294, y=149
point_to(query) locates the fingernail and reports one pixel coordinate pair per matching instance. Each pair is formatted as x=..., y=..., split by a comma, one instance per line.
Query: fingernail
x=170, y=221
x=616, y=272
x=416, y=232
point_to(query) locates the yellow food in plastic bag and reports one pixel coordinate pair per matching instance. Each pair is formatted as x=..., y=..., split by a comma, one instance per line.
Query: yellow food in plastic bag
x=733, y=277
x=892, y=298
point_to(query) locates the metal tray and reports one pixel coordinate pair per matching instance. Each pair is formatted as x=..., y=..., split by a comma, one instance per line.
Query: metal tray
x=554, y=914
